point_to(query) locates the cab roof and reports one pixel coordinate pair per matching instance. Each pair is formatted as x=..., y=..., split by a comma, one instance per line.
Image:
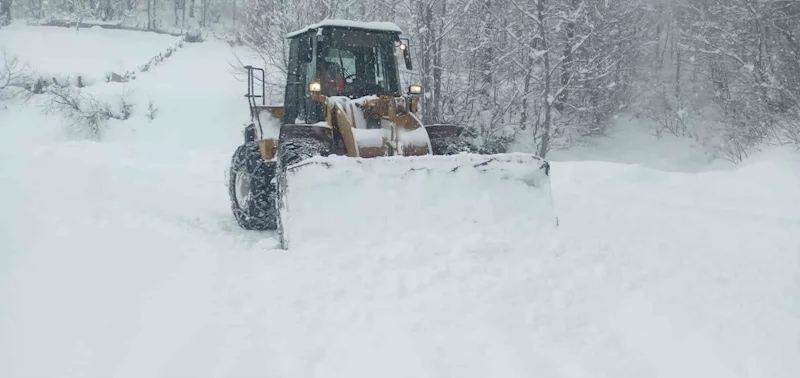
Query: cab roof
x=373, y=25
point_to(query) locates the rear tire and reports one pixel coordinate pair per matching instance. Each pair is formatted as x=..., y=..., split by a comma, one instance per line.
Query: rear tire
x=293, y=151
x=252, y=189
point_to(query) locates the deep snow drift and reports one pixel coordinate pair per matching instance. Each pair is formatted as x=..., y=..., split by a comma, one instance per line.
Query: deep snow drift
x=121, y=259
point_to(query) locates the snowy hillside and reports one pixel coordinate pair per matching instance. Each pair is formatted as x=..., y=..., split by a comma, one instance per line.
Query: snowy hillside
x=92, y=54
x=120, y=258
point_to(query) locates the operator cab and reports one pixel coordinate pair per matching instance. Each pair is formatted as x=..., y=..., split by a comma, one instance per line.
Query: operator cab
x=341, y=58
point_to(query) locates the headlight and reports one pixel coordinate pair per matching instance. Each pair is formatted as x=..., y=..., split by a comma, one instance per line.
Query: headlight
x=414, y=89
x=314, y=86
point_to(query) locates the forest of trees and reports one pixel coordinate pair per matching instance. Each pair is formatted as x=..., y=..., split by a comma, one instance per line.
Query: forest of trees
x=541, y=72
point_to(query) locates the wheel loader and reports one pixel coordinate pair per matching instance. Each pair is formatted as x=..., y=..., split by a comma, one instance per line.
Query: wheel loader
x=344, y=108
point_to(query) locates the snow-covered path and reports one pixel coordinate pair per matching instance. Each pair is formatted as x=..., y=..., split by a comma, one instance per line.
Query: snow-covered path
x=121, y=259
x=698, y=274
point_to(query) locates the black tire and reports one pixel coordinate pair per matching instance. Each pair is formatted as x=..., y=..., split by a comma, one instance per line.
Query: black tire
x=451, y=146
x=253, y=179
x=290, y=152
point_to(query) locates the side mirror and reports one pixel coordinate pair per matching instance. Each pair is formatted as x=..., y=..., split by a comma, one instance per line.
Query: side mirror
x=406, y=53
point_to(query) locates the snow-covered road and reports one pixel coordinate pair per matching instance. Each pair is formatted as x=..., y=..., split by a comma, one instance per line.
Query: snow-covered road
x=121, y=259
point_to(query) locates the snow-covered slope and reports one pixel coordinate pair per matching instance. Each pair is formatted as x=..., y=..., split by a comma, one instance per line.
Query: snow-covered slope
x=121, y=259
x=632, y=140
x=66, y=53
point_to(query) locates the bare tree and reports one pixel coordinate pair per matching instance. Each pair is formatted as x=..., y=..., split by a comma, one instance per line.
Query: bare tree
x=13, y=78
x=737, y=62
x=86, y=115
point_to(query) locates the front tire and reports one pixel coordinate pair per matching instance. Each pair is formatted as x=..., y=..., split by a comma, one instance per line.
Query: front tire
x=252, y=189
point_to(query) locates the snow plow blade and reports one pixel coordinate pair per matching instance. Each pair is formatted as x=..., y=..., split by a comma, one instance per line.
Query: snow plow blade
x=341, y=201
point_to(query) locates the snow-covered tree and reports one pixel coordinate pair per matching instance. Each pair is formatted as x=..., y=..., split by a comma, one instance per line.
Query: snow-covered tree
x=529, y=73
x=730, y=63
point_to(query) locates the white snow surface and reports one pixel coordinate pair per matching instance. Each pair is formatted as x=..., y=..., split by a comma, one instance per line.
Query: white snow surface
x=120, y=258
x=51, y=51
x=369, y=25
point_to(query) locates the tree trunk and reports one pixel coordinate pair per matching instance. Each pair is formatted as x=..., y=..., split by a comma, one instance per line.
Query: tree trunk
x=525, y=89
x=109, y=12
x=183, y=15
x=678, y=57
x=155, y=14
x=428, y=51
x=657, y=46
x=485, y=62
x=546, y=102
x=566, y=69
x=438, y=98
x=5, y=12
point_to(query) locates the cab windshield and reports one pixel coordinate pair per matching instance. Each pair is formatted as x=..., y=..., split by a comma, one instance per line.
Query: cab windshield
x=357, y=63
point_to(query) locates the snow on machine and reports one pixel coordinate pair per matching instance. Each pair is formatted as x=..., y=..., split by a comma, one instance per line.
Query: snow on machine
x=346, y=155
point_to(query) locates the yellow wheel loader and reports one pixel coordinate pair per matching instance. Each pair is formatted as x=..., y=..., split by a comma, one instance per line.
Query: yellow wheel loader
x=345, y=112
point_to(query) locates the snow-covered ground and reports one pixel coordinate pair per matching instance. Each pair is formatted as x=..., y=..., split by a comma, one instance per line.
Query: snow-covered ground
x=120, y=258
x=632, y=140
x=66, y=53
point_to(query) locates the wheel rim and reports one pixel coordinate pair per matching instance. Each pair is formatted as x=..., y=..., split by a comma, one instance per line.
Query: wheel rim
x=242, y=189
